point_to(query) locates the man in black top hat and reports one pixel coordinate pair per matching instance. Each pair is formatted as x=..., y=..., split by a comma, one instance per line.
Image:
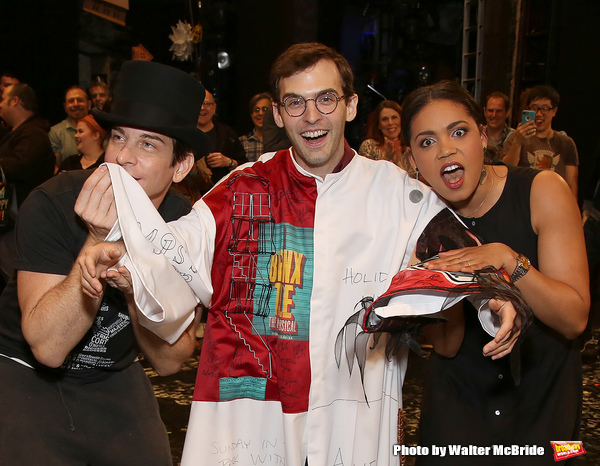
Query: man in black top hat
x=73, y=391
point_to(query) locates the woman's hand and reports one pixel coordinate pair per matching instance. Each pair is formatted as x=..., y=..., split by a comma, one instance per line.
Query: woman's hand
x=505, y=338
x=475, y=258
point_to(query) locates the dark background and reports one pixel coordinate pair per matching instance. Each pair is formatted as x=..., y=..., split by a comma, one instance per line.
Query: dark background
x=394, y=45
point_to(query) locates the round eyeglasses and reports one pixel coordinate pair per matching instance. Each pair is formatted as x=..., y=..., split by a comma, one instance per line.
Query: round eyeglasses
x=295, y=105
x=542, y=110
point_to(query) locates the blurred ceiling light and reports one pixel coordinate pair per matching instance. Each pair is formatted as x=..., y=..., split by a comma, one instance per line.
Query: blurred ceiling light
x=223, y=60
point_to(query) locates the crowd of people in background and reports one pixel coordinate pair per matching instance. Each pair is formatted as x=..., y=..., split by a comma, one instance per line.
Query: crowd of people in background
x=534, y=143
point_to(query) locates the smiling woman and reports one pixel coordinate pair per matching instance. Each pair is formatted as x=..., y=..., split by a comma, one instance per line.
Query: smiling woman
x=90, y=138
x=531, y=223
x=383, y=140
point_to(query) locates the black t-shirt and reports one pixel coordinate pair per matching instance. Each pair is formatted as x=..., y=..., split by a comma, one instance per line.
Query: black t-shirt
x=49, y=238
x=73, y=162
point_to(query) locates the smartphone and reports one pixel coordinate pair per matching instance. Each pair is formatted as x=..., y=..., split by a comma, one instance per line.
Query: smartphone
x=527, y=116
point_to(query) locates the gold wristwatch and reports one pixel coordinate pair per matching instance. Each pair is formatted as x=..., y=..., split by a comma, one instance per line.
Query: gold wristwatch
x=523, y=266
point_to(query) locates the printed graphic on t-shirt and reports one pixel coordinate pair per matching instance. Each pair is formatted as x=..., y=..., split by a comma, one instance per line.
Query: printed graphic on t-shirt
x=95, y=352
x=543, y=159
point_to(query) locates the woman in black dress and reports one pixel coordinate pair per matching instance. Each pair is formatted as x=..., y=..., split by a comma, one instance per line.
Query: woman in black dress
x=531, y=225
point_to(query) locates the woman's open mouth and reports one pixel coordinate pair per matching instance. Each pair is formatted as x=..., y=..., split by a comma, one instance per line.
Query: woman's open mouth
x=453, y=174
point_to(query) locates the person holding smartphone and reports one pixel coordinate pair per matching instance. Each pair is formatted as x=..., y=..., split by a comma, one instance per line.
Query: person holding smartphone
x=535, y=144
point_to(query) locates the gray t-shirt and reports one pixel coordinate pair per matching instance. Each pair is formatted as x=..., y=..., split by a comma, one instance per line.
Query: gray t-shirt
x=553, y=153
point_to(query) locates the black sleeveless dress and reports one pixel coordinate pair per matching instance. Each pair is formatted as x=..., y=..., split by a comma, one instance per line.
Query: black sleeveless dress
x=471, y=399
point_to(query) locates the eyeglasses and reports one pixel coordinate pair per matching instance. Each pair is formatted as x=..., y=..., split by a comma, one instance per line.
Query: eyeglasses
x=259, y=109
x=295, y=105
x=207, y=104
x=542, y=110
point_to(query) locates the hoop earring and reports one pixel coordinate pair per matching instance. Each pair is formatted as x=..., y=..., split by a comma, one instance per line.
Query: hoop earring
x=416, y=195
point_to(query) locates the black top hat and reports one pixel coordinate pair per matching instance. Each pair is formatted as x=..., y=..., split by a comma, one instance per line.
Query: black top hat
x=158, y=98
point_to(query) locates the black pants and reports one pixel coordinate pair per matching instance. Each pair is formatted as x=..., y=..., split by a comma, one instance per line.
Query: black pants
x=56, y=423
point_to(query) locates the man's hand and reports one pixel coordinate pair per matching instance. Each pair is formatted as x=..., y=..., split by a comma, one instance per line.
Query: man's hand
x=505, y=339
x=94, y=263
x=120, y=279
x=216, y=159
x=525, y=131
x=96, y=204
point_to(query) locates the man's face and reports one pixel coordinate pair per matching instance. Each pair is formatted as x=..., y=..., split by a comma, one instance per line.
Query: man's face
x=496, y=113
x=76, y=104
x=6, y=106
x=317, y=139
x=147, y=157
x=99, y=97
x=542, y=122
x=258, y=112
x=7, y=81
x=209, y=107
